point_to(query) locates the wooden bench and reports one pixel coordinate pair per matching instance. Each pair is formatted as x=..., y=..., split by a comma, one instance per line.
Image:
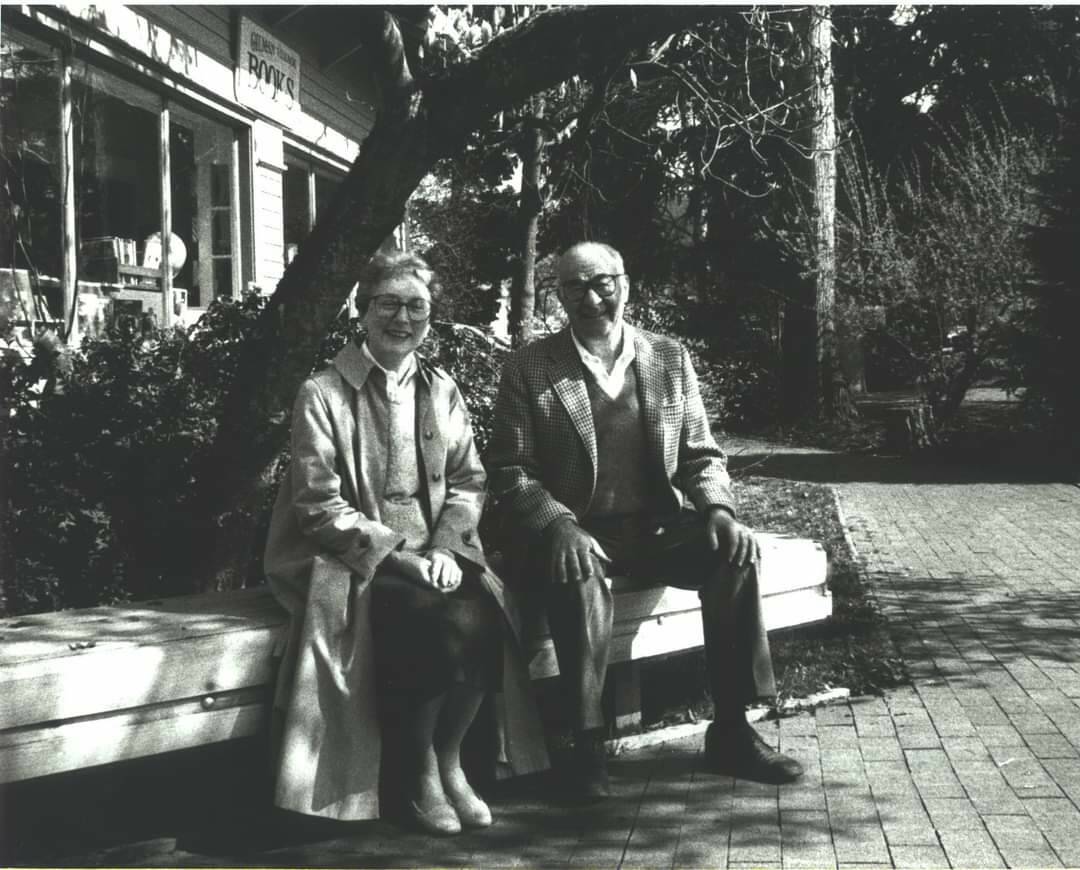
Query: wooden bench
x=86, y=687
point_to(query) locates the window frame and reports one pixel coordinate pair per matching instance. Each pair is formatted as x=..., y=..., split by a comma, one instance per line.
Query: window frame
x=156, y=94
x=304, y=159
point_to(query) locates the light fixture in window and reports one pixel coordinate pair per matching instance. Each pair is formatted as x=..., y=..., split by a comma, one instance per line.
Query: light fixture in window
x=152, y=252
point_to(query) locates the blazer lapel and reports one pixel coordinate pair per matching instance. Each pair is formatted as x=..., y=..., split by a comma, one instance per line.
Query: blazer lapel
x=568, y=379
x=650, y=394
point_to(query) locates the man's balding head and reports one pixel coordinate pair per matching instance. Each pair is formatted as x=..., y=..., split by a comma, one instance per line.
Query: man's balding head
x=600, y=258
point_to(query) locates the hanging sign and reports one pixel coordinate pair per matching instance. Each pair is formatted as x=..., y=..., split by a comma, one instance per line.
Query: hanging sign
x=267, y=73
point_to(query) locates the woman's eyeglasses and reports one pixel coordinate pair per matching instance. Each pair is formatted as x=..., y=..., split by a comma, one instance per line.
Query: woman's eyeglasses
x=603, y=286
x=388, y=306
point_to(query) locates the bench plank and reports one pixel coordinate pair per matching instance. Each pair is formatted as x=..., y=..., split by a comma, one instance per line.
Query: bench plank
x=197, y=669
x=33, y=752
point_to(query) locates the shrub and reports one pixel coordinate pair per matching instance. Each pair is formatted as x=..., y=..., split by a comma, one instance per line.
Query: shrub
x=732, y=352
x=103, y=469
x=1045, y=359
x=941, y=250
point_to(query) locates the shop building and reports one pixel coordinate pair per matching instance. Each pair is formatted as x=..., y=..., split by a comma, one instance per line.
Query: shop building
x=232, y=126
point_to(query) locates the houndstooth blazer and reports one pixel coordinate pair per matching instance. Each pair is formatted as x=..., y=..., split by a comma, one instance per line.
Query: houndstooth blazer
x=542, y=455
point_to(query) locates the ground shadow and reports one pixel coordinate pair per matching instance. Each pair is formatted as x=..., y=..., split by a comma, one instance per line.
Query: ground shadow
x=933, y=467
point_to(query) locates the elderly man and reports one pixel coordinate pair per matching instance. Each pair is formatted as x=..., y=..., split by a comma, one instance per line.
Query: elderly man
x=603, y=459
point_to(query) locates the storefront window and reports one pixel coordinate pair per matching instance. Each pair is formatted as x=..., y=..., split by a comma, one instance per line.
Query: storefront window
x=117, y=177
x=123, y=123
x=30, y=204
x=307, y=192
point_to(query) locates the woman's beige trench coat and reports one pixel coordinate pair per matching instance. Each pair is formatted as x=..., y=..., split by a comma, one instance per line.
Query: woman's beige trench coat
x=324, y=545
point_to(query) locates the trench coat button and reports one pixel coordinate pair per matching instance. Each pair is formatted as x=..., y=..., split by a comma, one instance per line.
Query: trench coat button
x=436, y=477
x=467, y=536
x=429, y=434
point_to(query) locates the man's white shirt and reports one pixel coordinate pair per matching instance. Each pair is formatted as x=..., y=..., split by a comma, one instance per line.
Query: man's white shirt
x=611, y=383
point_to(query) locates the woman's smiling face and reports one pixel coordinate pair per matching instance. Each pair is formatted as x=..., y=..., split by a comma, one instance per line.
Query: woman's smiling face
x=391, y=337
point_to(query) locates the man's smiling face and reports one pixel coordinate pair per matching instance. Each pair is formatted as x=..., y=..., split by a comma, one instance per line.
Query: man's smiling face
x=593, y=290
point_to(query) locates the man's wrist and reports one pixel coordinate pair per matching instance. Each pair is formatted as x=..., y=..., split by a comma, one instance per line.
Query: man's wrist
x=721, y=510
x=559, y=523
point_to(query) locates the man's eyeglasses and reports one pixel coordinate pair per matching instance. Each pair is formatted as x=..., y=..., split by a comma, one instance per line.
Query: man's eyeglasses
x=603, y=286
x=388, y=306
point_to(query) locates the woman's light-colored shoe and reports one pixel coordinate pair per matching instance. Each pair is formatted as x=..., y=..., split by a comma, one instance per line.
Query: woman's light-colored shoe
x=440, y=819
x=471, y=809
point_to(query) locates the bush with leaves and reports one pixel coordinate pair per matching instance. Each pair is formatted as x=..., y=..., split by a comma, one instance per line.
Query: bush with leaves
x=941, y=249
x=102, y=470
x=737, y=366
x=1045, y=359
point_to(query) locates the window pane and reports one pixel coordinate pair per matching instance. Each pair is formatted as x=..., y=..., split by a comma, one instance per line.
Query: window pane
x=117, y=175
x=296, y=215
x=220, y=185
x=223, y=276
x=221, y=232
x=325, y=188
x=30, y=206
x=202, y=203
x=183, y=189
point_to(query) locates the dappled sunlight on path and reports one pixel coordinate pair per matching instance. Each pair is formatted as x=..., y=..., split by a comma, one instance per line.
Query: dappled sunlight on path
x=976, y=764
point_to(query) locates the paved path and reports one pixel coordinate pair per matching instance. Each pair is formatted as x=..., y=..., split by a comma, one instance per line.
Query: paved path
x=975, y=765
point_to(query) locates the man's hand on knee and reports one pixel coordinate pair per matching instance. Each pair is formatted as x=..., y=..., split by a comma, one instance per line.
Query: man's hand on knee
x=730, y=537
x=575, y=554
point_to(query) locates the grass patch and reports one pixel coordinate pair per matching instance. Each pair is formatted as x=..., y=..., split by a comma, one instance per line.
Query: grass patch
x=852, y=650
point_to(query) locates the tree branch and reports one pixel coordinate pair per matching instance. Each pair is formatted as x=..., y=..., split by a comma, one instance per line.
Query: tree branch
x=545, y=50
x=393, y=77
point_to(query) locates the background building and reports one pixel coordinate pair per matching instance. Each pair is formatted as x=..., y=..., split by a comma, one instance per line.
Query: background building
x=231, y=126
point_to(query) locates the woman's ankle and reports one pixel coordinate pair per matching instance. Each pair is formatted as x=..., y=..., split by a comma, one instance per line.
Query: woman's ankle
x=428, y=789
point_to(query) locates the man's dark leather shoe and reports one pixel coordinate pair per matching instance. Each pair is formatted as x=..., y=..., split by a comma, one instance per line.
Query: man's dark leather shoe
x=739, y=751
x=588, y=781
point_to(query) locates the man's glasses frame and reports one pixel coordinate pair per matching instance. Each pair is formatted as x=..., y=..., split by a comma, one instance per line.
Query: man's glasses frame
x=603, y=286
x=388, y=305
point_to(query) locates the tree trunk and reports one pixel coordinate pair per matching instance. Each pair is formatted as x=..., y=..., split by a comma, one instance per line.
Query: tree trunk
x=829, y=392
x=415, y=126
x=813, y=380
x=523, y=290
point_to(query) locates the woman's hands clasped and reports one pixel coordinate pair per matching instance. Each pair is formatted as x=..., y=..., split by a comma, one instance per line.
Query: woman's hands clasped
x=445, y=572
x=439, y=568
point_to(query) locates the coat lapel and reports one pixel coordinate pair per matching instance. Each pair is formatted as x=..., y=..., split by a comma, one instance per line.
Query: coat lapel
x=357, y=462
x=568, y=380
x=428, y=432
x=650, y=393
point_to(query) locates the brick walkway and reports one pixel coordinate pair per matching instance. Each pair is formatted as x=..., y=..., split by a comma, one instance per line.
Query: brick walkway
x=975, y=765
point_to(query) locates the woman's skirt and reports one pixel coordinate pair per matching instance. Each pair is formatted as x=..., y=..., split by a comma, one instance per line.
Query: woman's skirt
x=426, y=640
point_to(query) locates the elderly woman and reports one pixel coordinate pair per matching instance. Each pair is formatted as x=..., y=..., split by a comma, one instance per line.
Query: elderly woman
x=373, y=549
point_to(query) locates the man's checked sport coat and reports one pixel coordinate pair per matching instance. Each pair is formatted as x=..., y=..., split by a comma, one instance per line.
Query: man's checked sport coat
x=542, y=455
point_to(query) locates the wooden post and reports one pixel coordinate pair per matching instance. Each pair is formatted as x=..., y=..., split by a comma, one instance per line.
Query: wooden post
x=234, y=211
x=70, y=265
x=311, y=200
x=166, y=220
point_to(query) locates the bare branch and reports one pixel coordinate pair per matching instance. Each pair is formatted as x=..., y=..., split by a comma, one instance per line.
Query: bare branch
x=545, y=50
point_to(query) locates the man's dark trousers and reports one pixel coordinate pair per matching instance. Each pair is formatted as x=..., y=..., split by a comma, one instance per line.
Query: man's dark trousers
x=666, y=551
